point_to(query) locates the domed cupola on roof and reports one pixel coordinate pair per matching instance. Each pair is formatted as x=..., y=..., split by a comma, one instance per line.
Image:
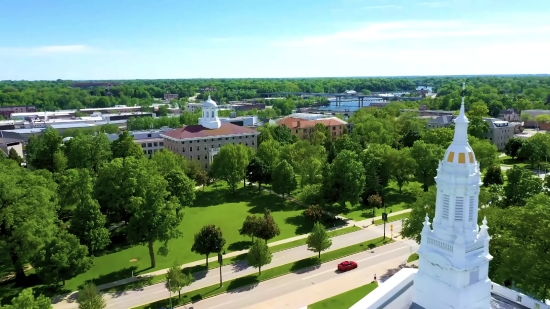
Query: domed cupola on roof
x=209, y=103
x=209, y=117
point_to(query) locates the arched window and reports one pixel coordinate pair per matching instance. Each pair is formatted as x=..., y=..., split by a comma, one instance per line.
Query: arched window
x=212, y=114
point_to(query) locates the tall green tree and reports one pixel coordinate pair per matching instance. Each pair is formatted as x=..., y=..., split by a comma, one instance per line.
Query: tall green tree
x=268, y=227
x=87, y=151
x=251, y=226
x=13, y=155
x=26, y=300
x=61, y=259
x=176, y=279
x=485, y=152
x=208, y=240
x=259, y=255
x=154, y=216
x=427, y=159
x=74, y=185
x=346, y=179
x=268, y=152
x=513, y=145
x=181, y=187
x=118, y=182
x=125, y=146
x=519, y=243
x=90, y=298
x=88, y=225
x=41, y=149
x=318, y=240
x=230, y=164
x=442, y=137
x=27, y=213
x=493, y=176
x=168, y=161
x=258, y=171
x=403, y=166
x=521, y=185
x=283, y=179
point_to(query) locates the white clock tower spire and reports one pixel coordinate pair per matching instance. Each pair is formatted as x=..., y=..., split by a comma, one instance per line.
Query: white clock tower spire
x=454, y=256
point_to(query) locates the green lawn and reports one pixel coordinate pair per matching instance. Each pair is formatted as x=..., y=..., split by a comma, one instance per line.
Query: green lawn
x=216, y=205
x=395, y=201
x=197, y=295
x=393, y=218
x=345, y=300
x=226, y=261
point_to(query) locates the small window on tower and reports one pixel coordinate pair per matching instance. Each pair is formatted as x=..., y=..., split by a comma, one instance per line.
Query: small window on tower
x=445, y=207
x=459, y=208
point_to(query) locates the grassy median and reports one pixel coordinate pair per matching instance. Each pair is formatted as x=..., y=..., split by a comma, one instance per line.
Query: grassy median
x=346, y=299
x=209, y=291
x=227, y=261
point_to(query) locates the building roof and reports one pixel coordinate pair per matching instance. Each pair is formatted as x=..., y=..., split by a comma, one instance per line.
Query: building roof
x=198, y=131
x=445, y=119
x=291, y=122
x=535, y=112
x=8, y=140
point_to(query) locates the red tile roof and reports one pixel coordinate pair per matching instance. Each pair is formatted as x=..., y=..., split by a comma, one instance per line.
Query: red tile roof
x=291, y=122
x=198, y=131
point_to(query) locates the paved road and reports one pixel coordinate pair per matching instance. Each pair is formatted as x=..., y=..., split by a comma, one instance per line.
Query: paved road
x=129, y=299
x=298, y=290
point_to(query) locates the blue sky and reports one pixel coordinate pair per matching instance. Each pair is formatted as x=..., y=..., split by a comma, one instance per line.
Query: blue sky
x=139, y=39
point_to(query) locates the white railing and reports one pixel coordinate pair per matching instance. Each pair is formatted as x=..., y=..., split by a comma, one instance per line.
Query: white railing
x=440, y=244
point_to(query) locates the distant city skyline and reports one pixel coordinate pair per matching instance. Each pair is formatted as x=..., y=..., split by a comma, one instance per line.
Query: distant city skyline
x=169, y=39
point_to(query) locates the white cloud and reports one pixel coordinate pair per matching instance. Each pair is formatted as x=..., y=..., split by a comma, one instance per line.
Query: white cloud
x=48, y=50
x=412, y=30
x=397, y=7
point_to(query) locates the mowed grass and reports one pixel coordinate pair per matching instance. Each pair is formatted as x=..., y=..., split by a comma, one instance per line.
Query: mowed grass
x=395, y=201
x=216, y=205
x=255, y=279
x=345, y=300
x=227, y=261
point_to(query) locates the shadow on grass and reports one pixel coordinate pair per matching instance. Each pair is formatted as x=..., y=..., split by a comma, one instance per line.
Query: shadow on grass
x=240, y=245
x=198, y=297
x=306, y=265
x=302, y=224
x=393, y=197
x=138, y=285
x=10, y=289
x=113, y=276
x=243, y=284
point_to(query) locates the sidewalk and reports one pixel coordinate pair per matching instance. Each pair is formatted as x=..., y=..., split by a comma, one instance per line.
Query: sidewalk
x=367, y=222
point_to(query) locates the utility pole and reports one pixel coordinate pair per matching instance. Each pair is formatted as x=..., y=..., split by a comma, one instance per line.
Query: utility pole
x=220, y=261
x=170, y=290
x=385, y=218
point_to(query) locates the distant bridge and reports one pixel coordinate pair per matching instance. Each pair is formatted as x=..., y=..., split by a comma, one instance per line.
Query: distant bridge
x=340, y=97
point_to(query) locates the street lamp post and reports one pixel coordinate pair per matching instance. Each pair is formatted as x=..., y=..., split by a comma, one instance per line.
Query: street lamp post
x=385, y=219
x=170, y=290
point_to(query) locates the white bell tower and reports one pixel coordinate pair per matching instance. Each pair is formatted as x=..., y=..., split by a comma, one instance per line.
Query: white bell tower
x=454, y=257
x=209, y=117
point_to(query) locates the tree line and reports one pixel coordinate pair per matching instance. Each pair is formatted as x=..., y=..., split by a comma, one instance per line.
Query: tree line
x=500, y=92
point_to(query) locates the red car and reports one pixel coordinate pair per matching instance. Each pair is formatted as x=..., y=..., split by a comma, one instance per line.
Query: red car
x=347, y=265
